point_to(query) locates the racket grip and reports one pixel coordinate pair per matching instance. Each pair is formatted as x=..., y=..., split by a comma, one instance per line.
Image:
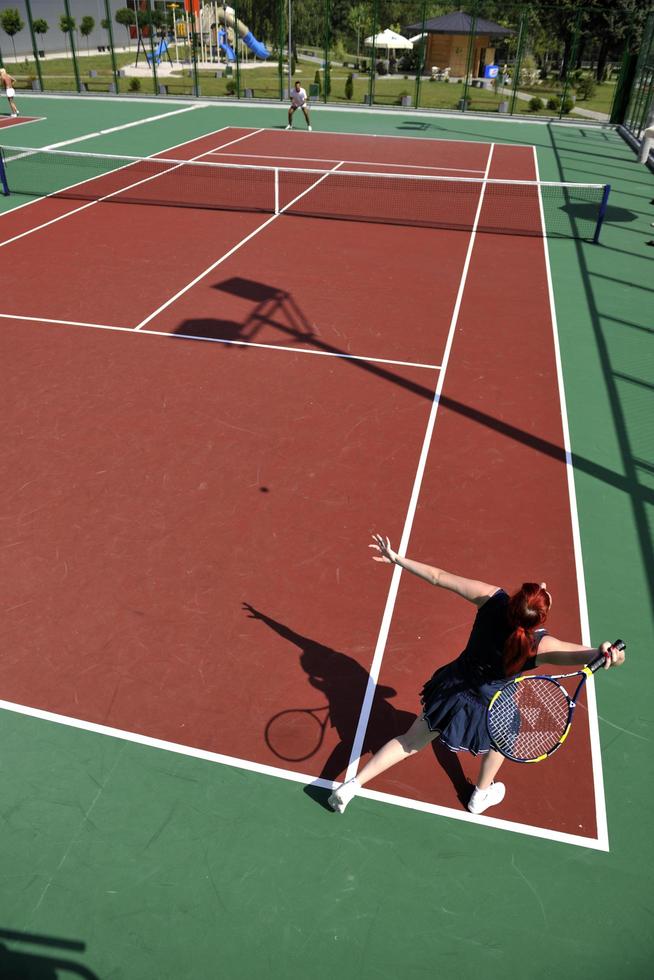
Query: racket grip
x=600, y=659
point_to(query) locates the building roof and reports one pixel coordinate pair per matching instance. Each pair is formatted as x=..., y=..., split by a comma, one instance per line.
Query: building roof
x=459, y=22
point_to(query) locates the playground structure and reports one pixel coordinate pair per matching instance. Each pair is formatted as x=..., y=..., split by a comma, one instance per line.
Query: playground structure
x=218, y=32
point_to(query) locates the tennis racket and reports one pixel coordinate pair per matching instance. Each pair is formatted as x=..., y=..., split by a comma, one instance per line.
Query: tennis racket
x=297, y=733
x=530, y=717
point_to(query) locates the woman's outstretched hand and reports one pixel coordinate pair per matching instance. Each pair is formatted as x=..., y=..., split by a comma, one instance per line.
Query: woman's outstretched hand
x=383, y=546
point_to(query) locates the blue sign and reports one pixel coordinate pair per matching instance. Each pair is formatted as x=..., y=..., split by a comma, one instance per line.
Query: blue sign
x=491, y=71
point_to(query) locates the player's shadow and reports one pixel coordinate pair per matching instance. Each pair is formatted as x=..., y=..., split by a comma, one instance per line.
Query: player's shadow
x=343, y=683
x=28, y=965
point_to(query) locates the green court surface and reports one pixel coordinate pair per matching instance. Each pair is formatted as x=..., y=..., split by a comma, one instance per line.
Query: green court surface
x=123, y=861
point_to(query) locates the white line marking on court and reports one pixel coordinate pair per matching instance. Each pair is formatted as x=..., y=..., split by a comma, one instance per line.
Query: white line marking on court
x=231, y=251
x=121, y=190
x=593, y=726
x=220, y=340
x=296, y=777
x=103, y=132
x=129, y=125
x=358, y=163
x=389, y=608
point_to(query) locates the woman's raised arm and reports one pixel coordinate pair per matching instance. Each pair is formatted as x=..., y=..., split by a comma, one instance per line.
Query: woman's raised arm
x=471, y=589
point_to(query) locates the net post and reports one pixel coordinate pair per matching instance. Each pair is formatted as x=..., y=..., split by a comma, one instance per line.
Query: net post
x=602, y=213
x=3, y=175
x=276, y=190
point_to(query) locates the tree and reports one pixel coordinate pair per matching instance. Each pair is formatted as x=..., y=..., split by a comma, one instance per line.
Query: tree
x=349, y=86
x=67, y=25
x=359, y=21
x=317, y=80
x=86, y=28
x=126, y=18
x=40, y=27
x=12, y=23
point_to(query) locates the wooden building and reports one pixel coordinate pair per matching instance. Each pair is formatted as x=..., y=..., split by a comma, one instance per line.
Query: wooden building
x=448, y=38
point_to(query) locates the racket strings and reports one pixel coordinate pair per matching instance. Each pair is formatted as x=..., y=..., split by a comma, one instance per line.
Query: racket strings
x=528, y=719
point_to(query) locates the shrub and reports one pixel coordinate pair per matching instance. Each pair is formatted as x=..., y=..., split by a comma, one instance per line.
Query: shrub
x=535, y=104
x=567, y=106
x=586, y=87
x=349, y=86
x=135, y=84
x=553, y=104
x=230, y=87
x=317, y=81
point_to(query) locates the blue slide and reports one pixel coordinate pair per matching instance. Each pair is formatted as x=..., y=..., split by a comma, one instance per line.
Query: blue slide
x=225, y=46
x=258, y=47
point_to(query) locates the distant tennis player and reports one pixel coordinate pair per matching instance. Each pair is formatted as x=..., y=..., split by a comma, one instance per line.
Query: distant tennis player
x=507, y=638
x=298, y=101
x=9, y=82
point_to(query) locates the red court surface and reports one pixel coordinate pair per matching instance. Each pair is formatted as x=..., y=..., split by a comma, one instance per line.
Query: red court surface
x=186, y=522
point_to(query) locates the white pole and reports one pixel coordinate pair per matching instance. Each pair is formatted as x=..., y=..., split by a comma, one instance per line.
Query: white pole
x=175, y=35
x=276, y=190
x=290, y=74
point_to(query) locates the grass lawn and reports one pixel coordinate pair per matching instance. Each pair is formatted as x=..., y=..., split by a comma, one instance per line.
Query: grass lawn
x=264, y=81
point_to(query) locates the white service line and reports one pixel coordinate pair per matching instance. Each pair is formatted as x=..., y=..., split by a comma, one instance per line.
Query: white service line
x=375, y=667
x=593, y=726
x=129, y=125
x=235, y=248
x=357, y=163
x=291, y=776
x=220, y=340
x=121, y=190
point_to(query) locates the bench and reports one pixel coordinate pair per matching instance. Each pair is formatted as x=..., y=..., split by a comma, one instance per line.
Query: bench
x=97, y=85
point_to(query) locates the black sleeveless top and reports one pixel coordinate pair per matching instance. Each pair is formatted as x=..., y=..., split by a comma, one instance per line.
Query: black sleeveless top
x=481, y=661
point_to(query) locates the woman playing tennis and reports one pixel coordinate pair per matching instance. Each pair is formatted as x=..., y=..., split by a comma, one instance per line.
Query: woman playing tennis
x=507, y=637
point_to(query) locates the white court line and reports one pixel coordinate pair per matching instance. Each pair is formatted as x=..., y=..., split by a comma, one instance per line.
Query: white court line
x=220, y=340
x=380, y=648
x=104, y=132
x=107, y=197
x=357, y=163
x=593, y=726
x=231, y=251
x=129, y=125
x=296, y=777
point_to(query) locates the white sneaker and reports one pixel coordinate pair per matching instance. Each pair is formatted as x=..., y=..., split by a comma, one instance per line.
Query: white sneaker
x=481, y=799
x=310, y=130
x=343, y=794
x=289, y=127
x=13, y=115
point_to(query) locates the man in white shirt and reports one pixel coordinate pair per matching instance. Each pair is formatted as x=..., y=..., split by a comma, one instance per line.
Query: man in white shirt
x=298, y=101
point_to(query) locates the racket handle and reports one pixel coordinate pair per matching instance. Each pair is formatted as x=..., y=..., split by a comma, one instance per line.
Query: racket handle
x=600, y=659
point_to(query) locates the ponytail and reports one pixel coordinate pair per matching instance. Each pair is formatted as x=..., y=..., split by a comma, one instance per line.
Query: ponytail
x=526, y=611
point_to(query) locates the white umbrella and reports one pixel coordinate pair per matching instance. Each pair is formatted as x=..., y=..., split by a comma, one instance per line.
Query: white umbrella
x=417, y=37
x=390, y=40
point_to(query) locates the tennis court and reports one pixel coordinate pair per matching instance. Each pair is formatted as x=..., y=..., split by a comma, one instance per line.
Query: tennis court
x=232, y=353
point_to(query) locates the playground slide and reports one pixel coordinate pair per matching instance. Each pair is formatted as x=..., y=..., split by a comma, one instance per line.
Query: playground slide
x=226, y=15
x=225, y=46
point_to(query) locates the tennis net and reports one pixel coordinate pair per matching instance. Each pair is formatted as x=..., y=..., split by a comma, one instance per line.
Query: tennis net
x=518, y=207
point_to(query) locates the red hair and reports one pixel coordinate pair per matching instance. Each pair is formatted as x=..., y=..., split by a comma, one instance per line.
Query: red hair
x=526, y=611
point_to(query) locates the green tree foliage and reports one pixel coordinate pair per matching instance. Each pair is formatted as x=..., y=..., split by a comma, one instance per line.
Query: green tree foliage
x=85, y=28
x=126, y=18
x=67, y=25
x=12, y=23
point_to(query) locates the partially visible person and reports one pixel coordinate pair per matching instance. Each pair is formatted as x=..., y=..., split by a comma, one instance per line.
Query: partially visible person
x=507, y=638
x=298, y=101
x=10, y=92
